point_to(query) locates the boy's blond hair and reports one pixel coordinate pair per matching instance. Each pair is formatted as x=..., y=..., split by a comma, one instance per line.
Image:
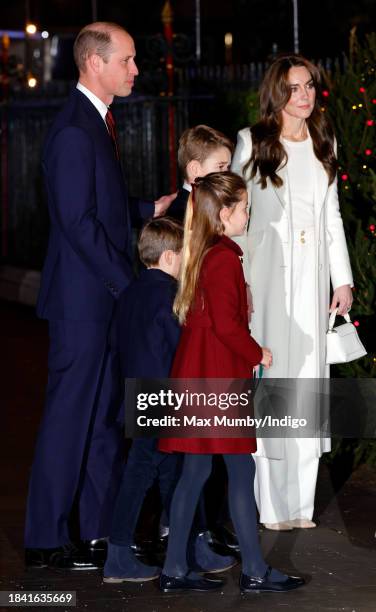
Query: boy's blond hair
x=198, y=143
x=157, y=236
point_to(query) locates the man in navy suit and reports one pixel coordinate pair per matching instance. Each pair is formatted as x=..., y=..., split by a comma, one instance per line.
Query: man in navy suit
x=78, y=456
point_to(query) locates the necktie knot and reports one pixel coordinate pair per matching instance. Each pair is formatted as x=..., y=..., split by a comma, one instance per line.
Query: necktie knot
x=110, y=122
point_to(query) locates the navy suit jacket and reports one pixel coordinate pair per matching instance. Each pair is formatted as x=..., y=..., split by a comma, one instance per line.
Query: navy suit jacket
x=147, y=331
x=178, y=206
x=88, y=261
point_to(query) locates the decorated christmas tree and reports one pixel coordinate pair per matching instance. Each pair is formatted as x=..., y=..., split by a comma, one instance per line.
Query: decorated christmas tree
x=350, y=99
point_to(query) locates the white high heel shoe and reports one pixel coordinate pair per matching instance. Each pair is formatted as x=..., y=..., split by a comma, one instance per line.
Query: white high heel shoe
x=282, y=526
x=301, y=523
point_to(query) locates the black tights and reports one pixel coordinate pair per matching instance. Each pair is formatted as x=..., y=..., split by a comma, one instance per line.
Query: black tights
x=196, y=470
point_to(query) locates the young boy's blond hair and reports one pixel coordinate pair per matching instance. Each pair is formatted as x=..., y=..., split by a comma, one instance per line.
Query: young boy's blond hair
x=198, y=143
x=157, y=236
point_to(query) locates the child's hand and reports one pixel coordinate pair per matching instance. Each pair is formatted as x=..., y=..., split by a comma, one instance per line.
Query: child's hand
x=267, y=358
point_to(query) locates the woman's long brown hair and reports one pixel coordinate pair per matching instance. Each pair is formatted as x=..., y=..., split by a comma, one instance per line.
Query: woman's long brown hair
x=202, y=229
x=268, y=153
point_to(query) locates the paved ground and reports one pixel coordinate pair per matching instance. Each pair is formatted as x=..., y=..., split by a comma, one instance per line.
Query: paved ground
x=338, y=558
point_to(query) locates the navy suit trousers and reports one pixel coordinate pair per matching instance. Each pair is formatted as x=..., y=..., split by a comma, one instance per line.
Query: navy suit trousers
x=79, y=451
x=145, y=463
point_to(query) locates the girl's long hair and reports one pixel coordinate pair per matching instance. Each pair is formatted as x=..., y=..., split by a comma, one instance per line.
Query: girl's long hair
x=202, y=229
x=268, y=153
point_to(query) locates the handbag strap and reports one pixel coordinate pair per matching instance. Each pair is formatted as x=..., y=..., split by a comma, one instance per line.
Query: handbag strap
x=332, y=318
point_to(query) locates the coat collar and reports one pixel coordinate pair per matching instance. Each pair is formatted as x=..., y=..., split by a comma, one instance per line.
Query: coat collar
x=89, y=108
x=282, y=192
x=148, y=275
x=230, y=244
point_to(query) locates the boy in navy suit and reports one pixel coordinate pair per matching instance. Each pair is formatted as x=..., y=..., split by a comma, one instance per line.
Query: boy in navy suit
x=148, y=335
x=202, y=150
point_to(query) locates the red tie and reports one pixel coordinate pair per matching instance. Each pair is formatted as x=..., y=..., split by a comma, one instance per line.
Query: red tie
x=110, y=122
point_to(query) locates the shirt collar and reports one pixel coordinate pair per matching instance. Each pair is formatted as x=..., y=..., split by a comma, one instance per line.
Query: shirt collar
x=99, y=105
x=187, y=186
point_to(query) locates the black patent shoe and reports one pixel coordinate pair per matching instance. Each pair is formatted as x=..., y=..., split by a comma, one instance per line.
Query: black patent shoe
x=255, y=584
x=222, y=536
x=169, y=584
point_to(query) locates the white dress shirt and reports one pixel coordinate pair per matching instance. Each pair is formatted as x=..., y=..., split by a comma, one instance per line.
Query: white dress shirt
x=101, y=107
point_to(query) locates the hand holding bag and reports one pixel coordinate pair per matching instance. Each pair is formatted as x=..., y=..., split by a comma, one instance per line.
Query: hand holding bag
x=342, y=342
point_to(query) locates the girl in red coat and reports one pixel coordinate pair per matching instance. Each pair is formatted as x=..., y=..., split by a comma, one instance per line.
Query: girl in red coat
x=211, y=303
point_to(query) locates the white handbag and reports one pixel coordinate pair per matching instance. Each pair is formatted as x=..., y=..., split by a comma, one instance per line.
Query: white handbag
x=342, y=342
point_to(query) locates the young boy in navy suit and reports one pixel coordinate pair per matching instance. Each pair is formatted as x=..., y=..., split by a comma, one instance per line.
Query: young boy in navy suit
x=202, y=150
x=148, y=335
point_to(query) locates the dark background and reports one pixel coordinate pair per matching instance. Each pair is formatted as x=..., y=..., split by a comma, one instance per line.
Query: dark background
x=256, y=24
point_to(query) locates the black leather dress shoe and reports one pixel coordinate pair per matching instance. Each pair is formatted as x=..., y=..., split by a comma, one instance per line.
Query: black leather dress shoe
x=98, y=544
x=224, y=537
x=169, y=584
x=67, y=557
x=254, y=584
x=38, y=558
x=94, y=551
x=162, y=543
x=143, y=549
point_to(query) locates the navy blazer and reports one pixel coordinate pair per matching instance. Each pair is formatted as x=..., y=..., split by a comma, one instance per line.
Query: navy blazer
x=88, y=261
x=148, y=332
x=178, y=206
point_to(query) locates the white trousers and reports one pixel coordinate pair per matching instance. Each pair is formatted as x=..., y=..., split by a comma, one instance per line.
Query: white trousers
x=285, y=488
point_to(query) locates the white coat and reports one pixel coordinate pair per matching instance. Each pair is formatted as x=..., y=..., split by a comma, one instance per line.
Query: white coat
x=268, y=250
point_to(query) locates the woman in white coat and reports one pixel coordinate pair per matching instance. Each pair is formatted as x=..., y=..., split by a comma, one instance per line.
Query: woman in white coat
x=295, y=244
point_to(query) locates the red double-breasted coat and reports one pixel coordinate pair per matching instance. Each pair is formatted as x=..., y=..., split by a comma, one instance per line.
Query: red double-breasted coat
x=215, y=340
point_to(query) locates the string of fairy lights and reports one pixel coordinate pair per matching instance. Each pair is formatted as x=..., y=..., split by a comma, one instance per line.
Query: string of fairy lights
x=365, y=106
